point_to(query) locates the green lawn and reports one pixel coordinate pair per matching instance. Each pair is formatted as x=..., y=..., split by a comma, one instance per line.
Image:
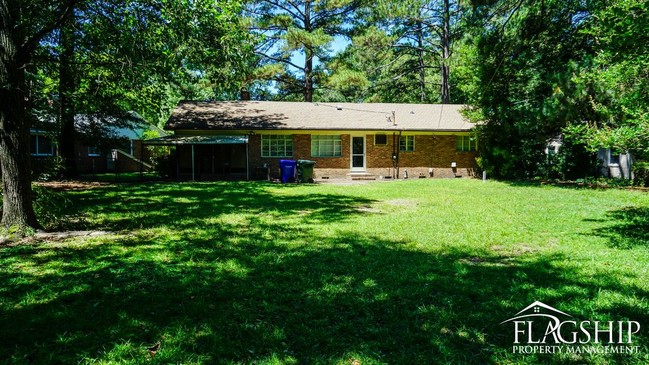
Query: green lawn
x=403, y=272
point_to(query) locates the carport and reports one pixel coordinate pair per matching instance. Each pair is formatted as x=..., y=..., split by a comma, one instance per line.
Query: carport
x=208, y=156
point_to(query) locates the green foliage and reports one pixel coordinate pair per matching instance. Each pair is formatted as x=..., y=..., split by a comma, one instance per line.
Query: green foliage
x=158, y=155
x=526, y=56
x=464, y=80
x=285, y=28
x=299, y=39
x=605, y=182
x=46, y=168
x=571, y=162
x=641, y=174
x=618, y=80
x=399, y=54
x=361, y=72
x=145, y=56
x=51, y=207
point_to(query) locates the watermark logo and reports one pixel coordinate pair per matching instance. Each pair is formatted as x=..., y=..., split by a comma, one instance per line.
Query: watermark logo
x=539, y=329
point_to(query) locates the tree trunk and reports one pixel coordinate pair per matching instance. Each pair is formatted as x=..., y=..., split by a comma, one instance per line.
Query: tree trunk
x=17, y=210
x=67, y=88
x=308, y=77
x=308, y=59
x=446, y=52
x=420, y=56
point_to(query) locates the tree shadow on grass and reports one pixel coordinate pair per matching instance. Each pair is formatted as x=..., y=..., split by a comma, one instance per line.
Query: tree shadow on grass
x=126, y=207
x=273, y=288
x=629, y=228
x=219, y=300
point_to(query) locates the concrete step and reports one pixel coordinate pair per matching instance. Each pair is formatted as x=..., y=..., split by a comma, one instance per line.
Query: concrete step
x=362, y=176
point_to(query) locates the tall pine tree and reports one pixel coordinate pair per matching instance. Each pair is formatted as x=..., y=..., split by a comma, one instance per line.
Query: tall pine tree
x=307, y=27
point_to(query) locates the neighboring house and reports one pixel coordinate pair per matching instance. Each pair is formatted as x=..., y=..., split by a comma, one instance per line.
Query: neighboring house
x=126, y=154
x=243, y=139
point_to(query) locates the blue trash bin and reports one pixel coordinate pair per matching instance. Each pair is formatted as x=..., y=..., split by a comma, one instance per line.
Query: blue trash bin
x=287, y=168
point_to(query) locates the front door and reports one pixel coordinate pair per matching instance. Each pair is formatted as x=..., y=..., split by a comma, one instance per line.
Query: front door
x=358, y=153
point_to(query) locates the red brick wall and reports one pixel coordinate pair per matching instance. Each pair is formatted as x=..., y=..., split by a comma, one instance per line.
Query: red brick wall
x=436, y=152
x=256, y=161
x=378, y=156
x=89, y=164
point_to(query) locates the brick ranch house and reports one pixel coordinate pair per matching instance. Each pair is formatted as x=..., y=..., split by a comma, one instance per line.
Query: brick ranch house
x=246, y=139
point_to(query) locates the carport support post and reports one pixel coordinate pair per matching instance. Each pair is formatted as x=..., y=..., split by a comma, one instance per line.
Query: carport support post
x=247, y=163
x=193, y=171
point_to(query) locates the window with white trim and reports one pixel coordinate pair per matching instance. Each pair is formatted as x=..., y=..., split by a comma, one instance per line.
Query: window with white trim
x=380, y=139
x=407, y=143
x=326, y=146
x=276, y=145
x=41, y=145
x=466, y=143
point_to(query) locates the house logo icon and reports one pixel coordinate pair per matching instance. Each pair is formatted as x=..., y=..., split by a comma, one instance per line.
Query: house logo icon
x=539, y=310
x=540, y=328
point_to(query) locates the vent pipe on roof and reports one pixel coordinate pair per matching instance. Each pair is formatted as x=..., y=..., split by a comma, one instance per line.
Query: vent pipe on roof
x=338, y=107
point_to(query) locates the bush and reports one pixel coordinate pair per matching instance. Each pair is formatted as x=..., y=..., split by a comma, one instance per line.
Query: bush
x=47, y=168
x=50, y=206
x=641, y=174
x=605, y=182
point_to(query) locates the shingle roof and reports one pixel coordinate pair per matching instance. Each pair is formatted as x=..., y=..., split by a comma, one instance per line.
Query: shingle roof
x=269, y=115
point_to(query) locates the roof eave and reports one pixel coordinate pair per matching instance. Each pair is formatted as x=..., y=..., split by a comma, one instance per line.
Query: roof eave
x=324, y=129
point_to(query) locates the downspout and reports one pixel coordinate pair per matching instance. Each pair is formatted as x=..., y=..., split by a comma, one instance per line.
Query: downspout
x=398, y=152
x=432, y=155
x=395, y=153
x=247, y=161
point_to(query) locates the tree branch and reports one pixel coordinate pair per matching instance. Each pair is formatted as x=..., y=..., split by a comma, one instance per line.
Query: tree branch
x=293, y=14
x=31, y=43
x=280, y=60
x=511, y=15
x=325, y=15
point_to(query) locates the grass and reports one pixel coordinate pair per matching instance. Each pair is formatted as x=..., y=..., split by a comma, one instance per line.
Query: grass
x=403, y=272
x=121, y=177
